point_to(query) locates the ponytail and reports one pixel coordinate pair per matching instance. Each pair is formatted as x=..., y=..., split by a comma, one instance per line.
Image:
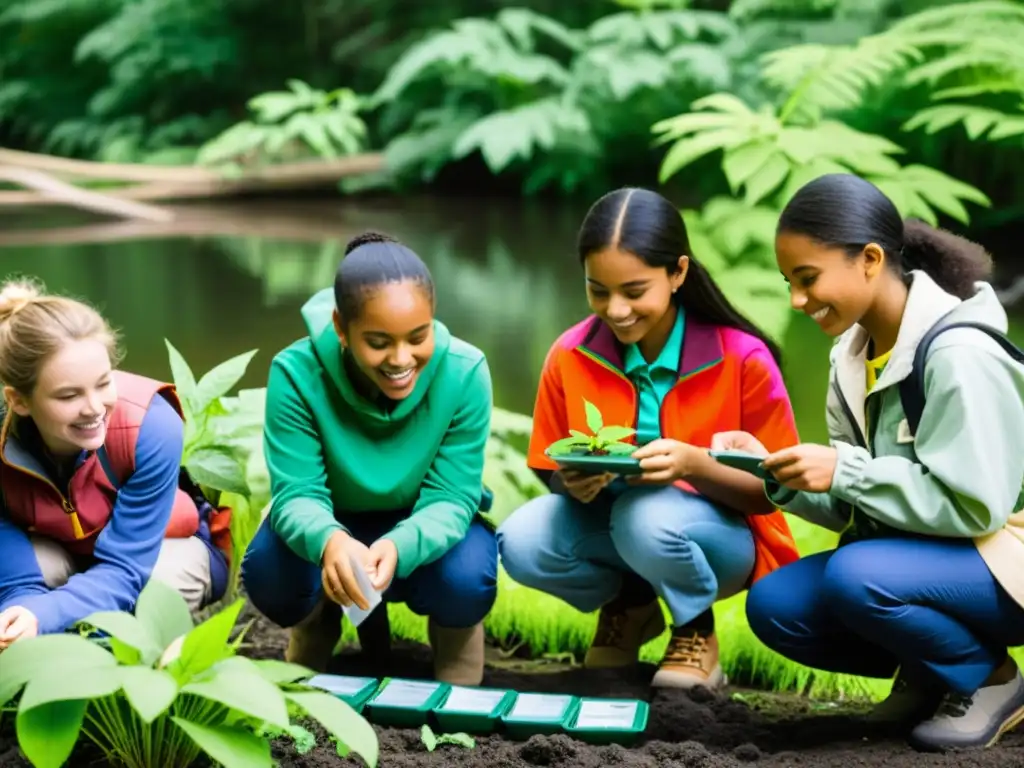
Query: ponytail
x=953, y=262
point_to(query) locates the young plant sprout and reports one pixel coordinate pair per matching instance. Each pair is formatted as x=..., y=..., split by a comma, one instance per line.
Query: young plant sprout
x=605, y=440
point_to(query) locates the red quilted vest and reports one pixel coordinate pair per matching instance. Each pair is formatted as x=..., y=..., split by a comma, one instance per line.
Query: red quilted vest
x=35, y=503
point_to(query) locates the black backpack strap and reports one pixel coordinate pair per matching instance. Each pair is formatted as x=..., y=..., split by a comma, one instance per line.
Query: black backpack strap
x=912, y=387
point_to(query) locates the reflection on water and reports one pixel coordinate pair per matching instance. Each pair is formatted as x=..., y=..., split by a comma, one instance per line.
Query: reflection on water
x=226, y=279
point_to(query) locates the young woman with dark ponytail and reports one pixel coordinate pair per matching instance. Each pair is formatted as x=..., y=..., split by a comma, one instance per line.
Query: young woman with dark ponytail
x=928, y=576
x=374, y=437
x=666, y=354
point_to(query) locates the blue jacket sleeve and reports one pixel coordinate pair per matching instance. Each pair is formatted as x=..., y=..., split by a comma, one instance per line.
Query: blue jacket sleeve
x=20, y=576
x=127, y=548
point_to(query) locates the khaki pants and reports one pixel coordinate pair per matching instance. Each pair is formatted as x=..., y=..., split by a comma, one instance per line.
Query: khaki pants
x=183, y=564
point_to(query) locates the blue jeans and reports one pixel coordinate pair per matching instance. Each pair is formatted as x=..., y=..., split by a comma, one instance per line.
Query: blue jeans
x=929, y=605
x=691, y=552
x=456, y=591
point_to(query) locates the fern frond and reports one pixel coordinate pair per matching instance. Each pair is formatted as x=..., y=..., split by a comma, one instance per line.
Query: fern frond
x=38, y=10
x=918, y=190
x=523, y=25
x=662, y=29
x=519, y=133
x=987, y=58
x=978, y=122
x=483, y=46
x=994, y=13
x=745, y=10
x=820, y=78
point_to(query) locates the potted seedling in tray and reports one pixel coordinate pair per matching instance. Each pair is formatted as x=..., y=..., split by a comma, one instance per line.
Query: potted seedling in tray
x=604, y=450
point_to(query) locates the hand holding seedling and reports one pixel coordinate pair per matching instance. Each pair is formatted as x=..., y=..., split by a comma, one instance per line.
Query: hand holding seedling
x=338, y=580
x=804, y=467
x=663, y=461
x=17, y=623
x=381, y=561
x=584, y=487
x=738, y=441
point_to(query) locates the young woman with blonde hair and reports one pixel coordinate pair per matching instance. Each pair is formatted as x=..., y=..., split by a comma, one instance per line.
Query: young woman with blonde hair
x=93, y=501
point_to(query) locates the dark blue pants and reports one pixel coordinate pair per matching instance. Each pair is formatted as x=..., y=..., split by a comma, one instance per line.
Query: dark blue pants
x=929, y=605
x=456, y=591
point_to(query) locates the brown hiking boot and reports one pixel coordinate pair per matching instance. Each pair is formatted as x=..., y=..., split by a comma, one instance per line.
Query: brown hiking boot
x=690, y=660
x=458, y=653
x=620, y=633
x=312, y=641
x=911, y=700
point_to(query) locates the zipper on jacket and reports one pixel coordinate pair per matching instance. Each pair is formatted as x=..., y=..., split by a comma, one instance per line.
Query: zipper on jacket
x=65, y=502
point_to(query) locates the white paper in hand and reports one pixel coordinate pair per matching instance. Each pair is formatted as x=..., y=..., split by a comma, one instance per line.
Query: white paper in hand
x=353, y=612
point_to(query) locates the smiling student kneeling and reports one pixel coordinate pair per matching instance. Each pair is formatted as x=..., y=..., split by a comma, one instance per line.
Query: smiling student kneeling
x=374, y=438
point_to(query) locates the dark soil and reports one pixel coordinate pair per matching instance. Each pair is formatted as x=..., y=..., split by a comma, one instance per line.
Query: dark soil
x=697, y=730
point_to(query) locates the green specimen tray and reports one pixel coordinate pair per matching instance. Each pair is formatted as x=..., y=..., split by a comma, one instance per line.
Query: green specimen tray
x=354, y=691
x=473, y=710
x=406, y=703
x=595, y=465
x=543, y=713
x=608, y=721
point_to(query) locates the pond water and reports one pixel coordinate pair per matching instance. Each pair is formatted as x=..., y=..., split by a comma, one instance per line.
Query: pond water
x=226, y=279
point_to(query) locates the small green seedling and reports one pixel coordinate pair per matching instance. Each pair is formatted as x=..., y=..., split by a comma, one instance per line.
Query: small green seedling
x=605, y=440
x=432, y=740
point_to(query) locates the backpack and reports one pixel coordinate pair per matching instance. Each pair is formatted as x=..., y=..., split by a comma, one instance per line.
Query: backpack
x=912, y=388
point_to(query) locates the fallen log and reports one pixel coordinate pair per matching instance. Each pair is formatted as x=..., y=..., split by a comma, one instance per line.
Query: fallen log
x=217, y=220
x=314, y=170
x=50, y=190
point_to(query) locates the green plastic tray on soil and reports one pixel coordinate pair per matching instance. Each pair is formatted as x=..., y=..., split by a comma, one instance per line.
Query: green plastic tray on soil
x=406, y=703
x=542, y=713
x=354, y=691
x=609, y=721
x=473, y=710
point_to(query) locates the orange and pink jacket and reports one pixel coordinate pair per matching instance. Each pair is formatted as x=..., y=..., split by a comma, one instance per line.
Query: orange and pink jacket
x=728, y=380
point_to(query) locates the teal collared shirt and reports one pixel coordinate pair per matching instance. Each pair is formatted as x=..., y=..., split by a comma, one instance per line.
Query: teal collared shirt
x=654, y=380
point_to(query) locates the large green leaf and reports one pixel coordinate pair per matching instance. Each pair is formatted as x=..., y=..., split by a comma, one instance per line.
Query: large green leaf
x=184, y=380
x=761, y=295
x=282, y=671
x=163, y=612
x=767, y=178
x=230, y=747
x=47, y=733
x=129, y=631
x=616, y=433
x=149, y=691
x=594, y=419
x=206, y=645
x=341, y=721
x=221, y=379
x=688, y=150
x=218, y=467
x=744, y=161
x=56, y=684
x=247, y=692
x=61, y=652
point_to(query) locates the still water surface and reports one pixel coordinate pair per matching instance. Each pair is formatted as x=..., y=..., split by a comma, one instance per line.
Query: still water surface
x=224, y=280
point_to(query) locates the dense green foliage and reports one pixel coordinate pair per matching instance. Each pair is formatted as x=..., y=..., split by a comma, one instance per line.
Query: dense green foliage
x=543, y=94
x=732, y=105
